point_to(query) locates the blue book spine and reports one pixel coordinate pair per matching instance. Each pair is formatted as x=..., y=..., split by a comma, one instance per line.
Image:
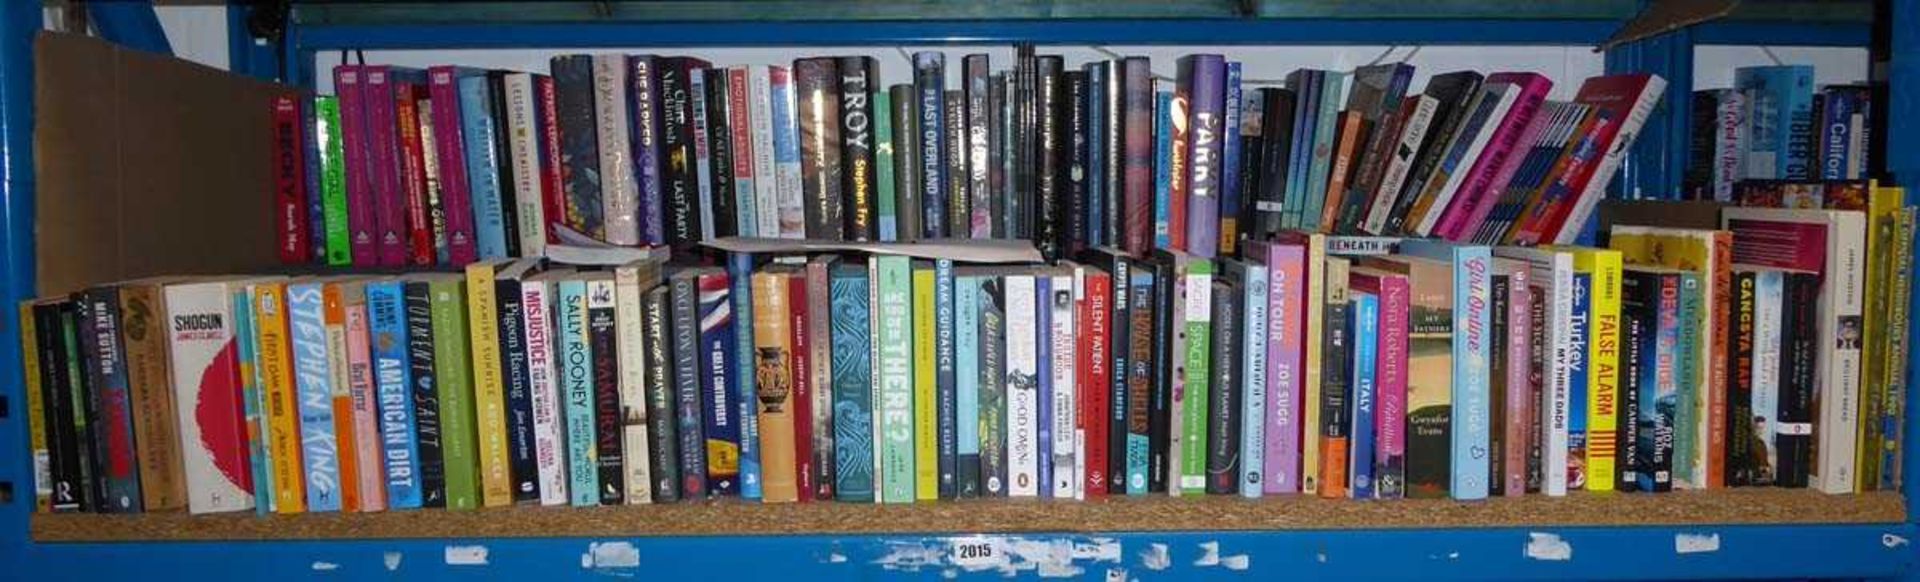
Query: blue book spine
x=313, y=375
x=1253, y=418
x=1836, y=133
x=717, y=344
x=945, y=381
x=786, y=157
x=316, y=206
x=1205, y=79
x=385, y=309
x=1472, y=394
x=1301, y=154
x=247, y=346
x=1366, y=335
x=1230, y=195
x=852, y=384
x=966, y=321
x=1162, y=169
x=1780, y=120
x=740, y=276
x=1139, y=297
x=1043, y=381
x=929, y=76
x=483, y=175
x=1577, y=334
x=1321, y=154
x=1095, y=141
x=576, y=382
x=703, y=163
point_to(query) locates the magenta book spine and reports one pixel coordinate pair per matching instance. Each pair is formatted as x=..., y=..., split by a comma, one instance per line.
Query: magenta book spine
x=1390, y=399
x=443, y=88
x=1481, y=189
x=383, y=145
x=347, y=85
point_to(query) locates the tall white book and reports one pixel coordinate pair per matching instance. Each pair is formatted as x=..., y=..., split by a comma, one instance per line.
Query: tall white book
x=523, y=151
x=1023, y=389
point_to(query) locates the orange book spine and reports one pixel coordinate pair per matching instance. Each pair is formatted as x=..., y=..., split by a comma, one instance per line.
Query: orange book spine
x=336, y=318
x=773, y=383
x=1717, y=384
x=1351, y=127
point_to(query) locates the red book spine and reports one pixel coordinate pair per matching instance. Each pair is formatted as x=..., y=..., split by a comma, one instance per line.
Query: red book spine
x=1096, y=378
x=802, y=389
x=289, y=181
x=1177, y=168
x=413, y=175
x=456, y=198
x=360, y=177
x=553, y=199
x=389, y=200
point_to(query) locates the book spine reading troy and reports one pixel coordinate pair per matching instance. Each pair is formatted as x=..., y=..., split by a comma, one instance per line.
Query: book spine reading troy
x=860, y=179
x=817, y=92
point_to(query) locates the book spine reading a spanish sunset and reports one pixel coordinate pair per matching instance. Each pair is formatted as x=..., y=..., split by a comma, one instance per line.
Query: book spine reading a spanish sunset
x=1339, y=288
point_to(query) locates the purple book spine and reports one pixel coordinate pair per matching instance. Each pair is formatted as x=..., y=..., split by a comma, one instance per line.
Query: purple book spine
x=347, y=83
x=443, y=90
x=1286, y=290
x=643, y=116
x=1206, y=79
x=389, y=205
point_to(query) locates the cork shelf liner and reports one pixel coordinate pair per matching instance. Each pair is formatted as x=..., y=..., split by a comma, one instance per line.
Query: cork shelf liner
x=1213, y=513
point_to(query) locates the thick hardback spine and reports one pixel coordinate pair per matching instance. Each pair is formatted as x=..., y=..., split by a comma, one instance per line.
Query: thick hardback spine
x=786, y=154
x=576, y=386
x=856, y=116
x=816, y=85
x=619, y=196
x=199, y=317
x=679, y=182
x=715, y=350
x=852, y=381
x=579, y=148
x=903, y=102
x=1050, y=149
x=894, y=309
x=1137, y=172
x=663, y=443
x=722, y=195
x=929, y=87
x=975, y=83
x=603, y=363
x=154, y=432
x=1203, y=79
x=773, y=346
x=644, y=117
x=688, y=422
x=1223, y=396
x=524, y=138
x=819, y=387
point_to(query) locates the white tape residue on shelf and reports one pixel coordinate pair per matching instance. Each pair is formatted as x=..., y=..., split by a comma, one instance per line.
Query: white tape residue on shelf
x=610, y=555
x=1548, y=547
x=1686, y=543
x=325, y=566
x=466, y=555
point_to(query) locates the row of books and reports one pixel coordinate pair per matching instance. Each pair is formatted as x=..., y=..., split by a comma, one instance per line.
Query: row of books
x=452, y=164
x=1368, y=368
x=1774, y=124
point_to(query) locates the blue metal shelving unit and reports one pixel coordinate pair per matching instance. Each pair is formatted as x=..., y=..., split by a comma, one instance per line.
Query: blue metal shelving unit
x=1851, y=551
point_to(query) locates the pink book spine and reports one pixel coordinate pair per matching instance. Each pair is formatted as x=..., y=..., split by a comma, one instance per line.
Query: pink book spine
x=373, y=474
x=1286, y=294
x=1480, y=189
x=1519, y=397
x=456, y=199
x=360, y=177
x=1390, y=389
x=383, y=146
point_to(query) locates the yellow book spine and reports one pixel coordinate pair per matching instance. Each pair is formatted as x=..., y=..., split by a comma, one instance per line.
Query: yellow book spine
x=1316, y=298
x=36, y=410
x=1883, y=217
x=283, y=414
x=1603, y=371
x=926, y=455
x=490, y=401
x=773, y=381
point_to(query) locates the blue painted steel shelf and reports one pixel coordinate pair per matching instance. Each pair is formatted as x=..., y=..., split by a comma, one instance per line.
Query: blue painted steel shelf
x=1863, y=551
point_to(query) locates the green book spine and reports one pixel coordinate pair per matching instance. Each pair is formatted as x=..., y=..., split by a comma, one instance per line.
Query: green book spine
x=896, y=378
x=1686, y=383
x=883, y=158
x=454, y=373
x=1197, y=313
x=333, y=180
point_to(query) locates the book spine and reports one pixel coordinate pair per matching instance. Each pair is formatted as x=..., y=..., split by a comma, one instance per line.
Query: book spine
x=1520, y=399
x=631, y=359
x=904, y=104
x=1472, y=396
x=113, y=424
x=578, y=152
x=644, y=117
x=1119, y=342
x=817, y=411
x=618, y=195
x=1095, y=383
x=1604, y=371
x=501, y=172
x=1500, y=158
x=1023, y=365
x=894, y=301
x=745, y=382
x=1253, y=378
x=663, y=441
x=1197, y=320
x=553, y=199
x=1336, y=398
x=1075, y=173
x=885, y=155
x=1286, y=297
x=340, y=398
x=975, y=81
x=1044, y=384
x=680, y=187
x=313, y=378
x=381, y=203
x=372, y=472
x=722, y=428
x=852, y=379
x=490, y=400
x=1223, y=396
x=966, y=358
x=926, y=401
x=452, y=366
x=1179, y=161
x=854, y=113
x=1137, y=137
x=462, y=143
x=945, y=379
x=929, y=76
x=1365, y=340
x=688, y=419
x=816, y=83
x=1390, y=399
x=543, y=379
x=1098, y=208
x=400, y=451
x=1321, y=154
x=1163, y=171
x=706, y=199
x=154, y=431
x=1232, y=175
x=78, y=460
x=1204, y=78
x=1742, y=433
x=1412, y=136
x=356, y=190
x=421, y=227
x=1313, y=391
x=1049, y=226
x=798, y=292
x=327, y=174
x=62, y=489
x=199, y=332
x=1689, y=419
x=1162, y=437
x=1768, y=335
x=766, y=186
x=576, y=386
x=786, y=148
x=523, y=161
x=993, y=388
x=723, y=200
x=291, y=227
x=424, y=393
x=1794, y=430
x=1839, y=369
x=773, y=344
x=253, y=393
x=1657, y=426
x=740, y=128
x=1142, y=309
x=1639, y=320
x=1430, y=396
x=603, y=350
x=1061, y=299
x=310, y=145
x=1580, y=327
x=1566, y=228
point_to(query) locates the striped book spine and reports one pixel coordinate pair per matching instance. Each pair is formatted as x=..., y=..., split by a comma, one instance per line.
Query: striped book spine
x=716, y=350
x=313, y=377
x=252, y=388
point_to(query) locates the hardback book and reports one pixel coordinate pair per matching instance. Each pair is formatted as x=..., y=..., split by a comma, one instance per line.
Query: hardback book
x=387, y=329
x=929, y=111
x=1550, y=276
x=856, y=78
x=158, y=448
x=853, y=405
x=816, y=84
x=773, y=345
x=645, y=135
x=215, y=441
x=714, y=350
x=489, y=394
x=524, y=139
x=1276, y=138
x=976, y=85
x=1075, y=180
x=817, y=411
x=907, y=187
x=619, y=198
x=1780, y=123
x=1050, y=143
x=893, y=300
x=579, y=145
x=538, y=297
x=1456, y=95
x=1137, y=161
x=1364, y=323
x=688, y=360
x=1704, y=412
x=577, y=389
x=1831, y=243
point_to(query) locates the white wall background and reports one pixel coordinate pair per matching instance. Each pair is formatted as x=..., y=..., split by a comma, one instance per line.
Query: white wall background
x=199, y=33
